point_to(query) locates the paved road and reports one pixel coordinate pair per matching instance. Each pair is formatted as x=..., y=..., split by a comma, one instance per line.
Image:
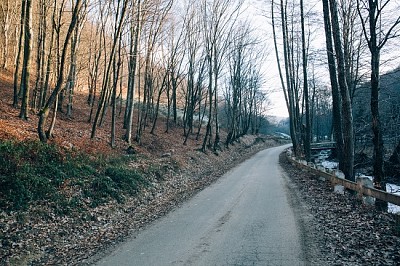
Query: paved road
x=243, y=219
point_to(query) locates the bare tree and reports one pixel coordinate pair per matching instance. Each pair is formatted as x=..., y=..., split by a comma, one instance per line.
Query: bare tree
x=376, y=35
x=156, y=19
x=195, y=68
x=307, y=135
x=172, y=60
x=43, y=8
x=353, y=45
x=96, y=52
x=342, y=121
x=18, y=55
x=336, y=100
x=44, y=113
x=8, y=17
x=135, y=31
x=72, y=75
x=119, y=21
x=243, y=98
x=117, y=68
x=219, y=18
x=289, y=82
x=26, y=64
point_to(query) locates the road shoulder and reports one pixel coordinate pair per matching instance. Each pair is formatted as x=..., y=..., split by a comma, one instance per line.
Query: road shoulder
x=338, y=229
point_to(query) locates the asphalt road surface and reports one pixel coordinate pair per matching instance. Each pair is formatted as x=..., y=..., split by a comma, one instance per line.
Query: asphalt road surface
x=245, y=218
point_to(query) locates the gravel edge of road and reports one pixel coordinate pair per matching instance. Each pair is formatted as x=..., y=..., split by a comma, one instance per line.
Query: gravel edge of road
x=309, y=237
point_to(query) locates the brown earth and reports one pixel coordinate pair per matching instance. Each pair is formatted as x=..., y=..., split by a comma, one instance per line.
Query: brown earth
x=339, y=229
x=39, y=236
x=64, y=240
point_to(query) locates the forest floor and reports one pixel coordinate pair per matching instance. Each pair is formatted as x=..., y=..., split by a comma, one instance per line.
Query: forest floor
x=38, y=235
x=340, y=229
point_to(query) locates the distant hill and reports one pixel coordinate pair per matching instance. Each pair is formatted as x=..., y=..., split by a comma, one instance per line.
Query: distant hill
x=389, y=109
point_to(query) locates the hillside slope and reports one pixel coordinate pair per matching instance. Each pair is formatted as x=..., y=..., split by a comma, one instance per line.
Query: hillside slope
x=92, y=195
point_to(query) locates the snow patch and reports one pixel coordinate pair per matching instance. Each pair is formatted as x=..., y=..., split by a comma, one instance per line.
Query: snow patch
x=391, y=188
x=330, y=165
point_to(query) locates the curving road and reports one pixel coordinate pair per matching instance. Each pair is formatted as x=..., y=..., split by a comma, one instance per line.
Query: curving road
x=243, y=219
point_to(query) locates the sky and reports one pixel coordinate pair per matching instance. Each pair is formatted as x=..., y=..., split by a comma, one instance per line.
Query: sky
x=255, y=10
x=259, y=12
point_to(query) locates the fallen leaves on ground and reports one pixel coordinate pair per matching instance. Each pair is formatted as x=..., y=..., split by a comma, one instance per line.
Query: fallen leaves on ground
x=339, y=229
x=39, y=236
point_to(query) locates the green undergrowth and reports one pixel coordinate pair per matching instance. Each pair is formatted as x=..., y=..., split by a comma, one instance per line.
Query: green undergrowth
x=33, y=173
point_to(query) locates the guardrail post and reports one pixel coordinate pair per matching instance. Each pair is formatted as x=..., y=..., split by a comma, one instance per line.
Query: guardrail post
x=364, y=187
x=363, y=181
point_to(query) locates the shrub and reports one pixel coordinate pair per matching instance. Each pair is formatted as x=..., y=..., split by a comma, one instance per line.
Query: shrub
x=31, y=172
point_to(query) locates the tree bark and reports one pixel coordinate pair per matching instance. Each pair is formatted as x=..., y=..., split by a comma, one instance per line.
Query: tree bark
x=336, y=101
x=132, y=72
x=106, y=77
x=43, y=114
x=25, y=76
x=307, y=141
x=375, y=86
x=18, y=56
x=6, y=11
x=347, y=116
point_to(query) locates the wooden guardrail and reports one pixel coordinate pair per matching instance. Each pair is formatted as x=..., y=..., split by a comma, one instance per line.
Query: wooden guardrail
x=323, y=145
x=358, y=187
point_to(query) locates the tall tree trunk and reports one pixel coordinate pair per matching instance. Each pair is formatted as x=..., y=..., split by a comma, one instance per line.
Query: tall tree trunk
x=117, y=68
x=216, y=68
x=174, y=100
x=376, y=123
x=347, y=116
x=132, y=72
x=290, y=81
x=336, y=101
x=18, y=56
x=106, y=77
x=94, y=62
x=161, y=90
x=46, y=84
x=375, y=86
x=44, y=113
x=25, y=76
x=6, y=23
x=307, y=141
x=207, y=136
x=40, y=56
x=71, y=81
x=375, y=46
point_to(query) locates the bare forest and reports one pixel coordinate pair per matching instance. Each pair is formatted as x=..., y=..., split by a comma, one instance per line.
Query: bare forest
x=354, y=100
x=145, y=65
x=133, y=104
x=188, y=62
x=114, y=112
